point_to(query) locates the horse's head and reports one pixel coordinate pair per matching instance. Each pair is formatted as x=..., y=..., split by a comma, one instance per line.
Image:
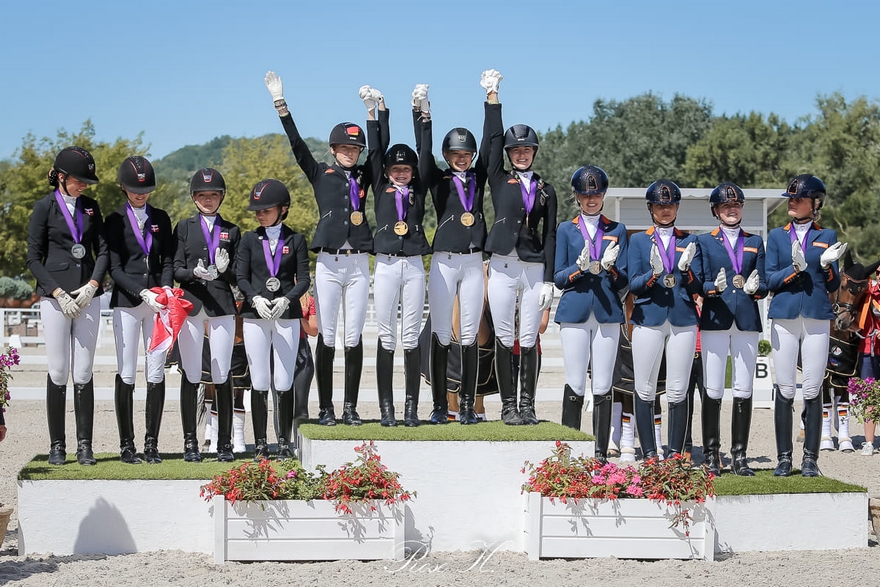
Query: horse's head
x=854, y=282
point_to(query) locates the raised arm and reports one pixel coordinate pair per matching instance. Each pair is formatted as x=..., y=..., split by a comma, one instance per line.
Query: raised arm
x=304, y=157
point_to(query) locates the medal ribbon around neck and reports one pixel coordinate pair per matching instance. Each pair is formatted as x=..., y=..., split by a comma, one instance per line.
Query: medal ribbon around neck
x=401, y=196
x=146, y=242
x=793, y=234
x=528, y=195
x=736, y=257
x=75, y=227
x=595, y=244
x=667, y=254
x=212, y=238
x=273, y=262
x=354, y=194
x=466, y=202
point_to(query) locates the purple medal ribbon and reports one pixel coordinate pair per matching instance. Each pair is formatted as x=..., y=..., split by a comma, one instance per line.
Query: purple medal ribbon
x=354, y=194
x=273, y=262
x=667, y=254
x=212, y=238
x=793, y=234
x=467, y=203
x=144, y=241
x=528, y=195
x=595, y=244
x=75, y=227
x=401, y=197
x=736, y=257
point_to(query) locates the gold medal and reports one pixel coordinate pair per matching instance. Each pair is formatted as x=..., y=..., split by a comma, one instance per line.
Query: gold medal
x=669, y=280
x=400, y=228
x=595, y=267
x=739, y=281
x=467, y=219
x=357, y=218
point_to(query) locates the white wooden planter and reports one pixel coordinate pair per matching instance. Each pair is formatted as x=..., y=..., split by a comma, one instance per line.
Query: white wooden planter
x=623, y=528
x=306, y=530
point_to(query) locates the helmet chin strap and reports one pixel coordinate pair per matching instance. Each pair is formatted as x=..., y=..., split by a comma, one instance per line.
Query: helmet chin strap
x=661, y=224
x=729, y=225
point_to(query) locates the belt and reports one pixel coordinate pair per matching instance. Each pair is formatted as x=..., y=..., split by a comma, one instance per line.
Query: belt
x=470, y=251
x=346, y=252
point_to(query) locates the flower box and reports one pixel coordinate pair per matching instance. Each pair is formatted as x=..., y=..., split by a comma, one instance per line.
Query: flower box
x=623, y=528
x=285, y=530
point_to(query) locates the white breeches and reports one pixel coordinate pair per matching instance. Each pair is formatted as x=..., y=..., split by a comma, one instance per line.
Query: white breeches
x=511, y=279
x=70, y=344
x=648, y=345
x=586, y=342
x=281, y=339
x=399, y=282
x=743, y=349
x=221, y=337
x=811, y=338
x=456, y=274
x=128, y=326
x=342, y=280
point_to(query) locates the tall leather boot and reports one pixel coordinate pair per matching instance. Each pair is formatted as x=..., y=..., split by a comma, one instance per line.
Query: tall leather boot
x=812, y=435
x=84, y=410
x=56, y=407
x=384, y=381
x=678, y=422
x=644, y=413
x=711, y=419
x=285, y=423
x=740, y=426
x=224, y=402
x=469, y=374
x=189, y=396
x=153, y=413
x=503, y=373
x=439, y=358
x=300, y=396
x=354, y=362
x=276, y=416
x=528, y=383
x=413, y=383
x=782, y=418
x=572, y=408
x=124, y=400
x=324, y=356
x=260, y=418
x=602, y=424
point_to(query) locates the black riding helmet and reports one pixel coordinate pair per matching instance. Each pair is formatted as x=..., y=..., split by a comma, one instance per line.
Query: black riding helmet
x=75, y=162
x=459, y=139
x=136, y=175
x=269, y=193
x=348, y=133
x=401, y=154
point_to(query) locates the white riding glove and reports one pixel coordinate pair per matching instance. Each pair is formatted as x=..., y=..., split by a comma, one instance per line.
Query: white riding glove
x=656, y=261
x=684, y=262
x=84, y=294
x=797, y=257
x=263, y=307
x=279, y=306
x=583, y=260
x=546, y=297
x=490, y=80
x=221, y=260
x=751, y=284
x=721, y=281
x=609, y=257
x=201, y=273
x=420, y=98
x=149, y=299
x=366, y=94
x=376, y=95
x=832, y=254
x=273, y=84
x=69, y=307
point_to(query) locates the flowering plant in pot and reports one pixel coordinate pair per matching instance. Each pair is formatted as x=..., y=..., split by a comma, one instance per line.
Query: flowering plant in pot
x=864, y=399
x=672, y=481
x=7, y=360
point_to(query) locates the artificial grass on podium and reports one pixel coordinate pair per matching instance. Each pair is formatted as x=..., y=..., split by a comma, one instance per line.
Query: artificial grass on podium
x=764, y=483
x=492, y=431
x=109, y=467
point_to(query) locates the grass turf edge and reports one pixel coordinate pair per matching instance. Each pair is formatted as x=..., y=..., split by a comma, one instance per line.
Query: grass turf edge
x=492, y=431
x=764, y=483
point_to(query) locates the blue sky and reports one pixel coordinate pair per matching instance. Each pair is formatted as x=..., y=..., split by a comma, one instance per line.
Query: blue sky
x=183, y=72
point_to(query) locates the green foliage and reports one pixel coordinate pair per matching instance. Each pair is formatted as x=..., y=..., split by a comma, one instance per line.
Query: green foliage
x=172, y=467
x=484, y=431
x=764, y=483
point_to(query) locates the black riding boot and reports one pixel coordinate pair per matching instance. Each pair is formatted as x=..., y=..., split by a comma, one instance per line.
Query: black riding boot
x=385, y=383
x=469, y=374
x=354, y=362
x=56, y=407
x=644, y=413
x=324, y=356
x=782, y=410
x=285, y=422
x=413, y=382
x=189, y=396
x=439, y=358
x=223, y=400
x=124, y=399
x=572, y=408
x=711, y=419
x=602, y=424
x=84, y=410
x=153, y=413
x=739, y=434
x=812, y=436
x=678, y=424
x=260, y=418
x=504, y=375
x=528, y=383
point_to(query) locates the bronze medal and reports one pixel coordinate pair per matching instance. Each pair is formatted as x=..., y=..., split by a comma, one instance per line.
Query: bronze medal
x=669, y=280
x=595, y=267
x=78, y=251
x=467, y=219
x=357, y=218
x=400, y=228
x=739, y=281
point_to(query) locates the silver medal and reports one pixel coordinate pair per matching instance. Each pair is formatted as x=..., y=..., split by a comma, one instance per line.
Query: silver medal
x=595, y=267
x=669, y=280
x=78, y=251
x=273, y=284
